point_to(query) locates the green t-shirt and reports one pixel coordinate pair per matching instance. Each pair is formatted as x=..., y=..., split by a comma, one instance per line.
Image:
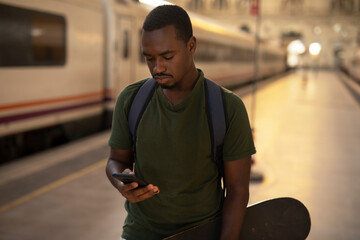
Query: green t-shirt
x=173, y=152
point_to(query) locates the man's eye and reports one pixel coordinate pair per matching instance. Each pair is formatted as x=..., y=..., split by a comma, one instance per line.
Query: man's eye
x=148, y=59
x=168, y=58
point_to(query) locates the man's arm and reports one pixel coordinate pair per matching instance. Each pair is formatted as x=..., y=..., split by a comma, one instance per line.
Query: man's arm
x=120, y=161
x=237, y=175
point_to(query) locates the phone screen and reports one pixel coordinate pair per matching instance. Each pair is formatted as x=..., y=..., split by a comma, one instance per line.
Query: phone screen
x=129, y=178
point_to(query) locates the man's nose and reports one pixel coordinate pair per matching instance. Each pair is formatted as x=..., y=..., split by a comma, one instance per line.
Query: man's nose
x=159, y=66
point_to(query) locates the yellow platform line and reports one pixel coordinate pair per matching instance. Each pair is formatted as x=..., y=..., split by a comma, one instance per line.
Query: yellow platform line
x=52, y=185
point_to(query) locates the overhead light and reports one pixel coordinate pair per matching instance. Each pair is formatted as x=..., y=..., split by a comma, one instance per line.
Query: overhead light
x=155, y=3
x=293, y=60
x=317, y=30
x=296, y=47
x=315, y=48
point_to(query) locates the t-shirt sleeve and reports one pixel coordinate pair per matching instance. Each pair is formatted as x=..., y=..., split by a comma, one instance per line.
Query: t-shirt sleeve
x=238, y=142
x=120, y=137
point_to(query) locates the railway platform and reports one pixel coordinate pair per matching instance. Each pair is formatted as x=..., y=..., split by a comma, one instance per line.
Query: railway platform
x=307, y=135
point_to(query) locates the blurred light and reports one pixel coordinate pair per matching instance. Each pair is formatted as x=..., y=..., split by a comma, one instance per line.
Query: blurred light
x=337, y=28
x=296, y=47
x=293, y=60
x=155, y=3
x=37, y=32
x=317, y=30
x=315, y=48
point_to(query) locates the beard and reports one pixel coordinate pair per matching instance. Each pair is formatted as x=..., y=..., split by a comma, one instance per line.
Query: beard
x=165, y=86
x=168, y=87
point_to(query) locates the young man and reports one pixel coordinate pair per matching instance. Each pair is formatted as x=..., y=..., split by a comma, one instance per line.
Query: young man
x=173, y=144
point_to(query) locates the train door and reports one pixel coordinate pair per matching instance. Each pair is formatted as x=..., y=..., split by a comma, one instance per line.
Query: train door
x=124, y=64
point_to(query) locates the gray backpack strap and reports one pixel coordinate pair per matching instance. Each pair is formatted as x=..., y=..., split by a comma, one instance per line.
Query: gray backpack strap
x=139, y=104
x=217, y=120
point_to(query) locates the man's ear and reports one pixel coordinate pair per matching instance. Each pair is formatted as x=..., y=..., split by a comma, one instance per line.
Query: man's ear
x=192, y=44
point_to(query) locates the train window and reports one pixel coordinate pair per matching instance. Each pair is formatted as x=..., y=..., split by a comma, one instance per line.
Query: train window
x=30, y=38
x=205, y=51
x=210, y=52
x=271, y=57
x=126, y=44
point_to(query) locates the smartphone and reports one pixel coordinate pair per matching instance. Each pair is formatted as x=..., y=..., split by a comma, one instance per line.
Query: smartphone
x=129, y=178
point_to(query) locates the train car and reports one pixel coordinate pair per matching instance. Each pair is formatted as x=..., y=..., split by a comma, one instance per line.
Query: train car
x=351, y=63
x=51, y=71
x=63, y=63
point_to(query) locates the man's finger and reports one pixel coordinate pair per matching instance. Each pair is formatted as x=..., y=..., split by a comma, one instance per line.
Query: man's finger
x=145, y=194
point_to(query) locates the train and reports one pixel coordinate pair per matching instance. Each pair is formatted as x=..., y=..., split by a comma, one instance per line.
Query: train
x=63, y=63
x=350, y=63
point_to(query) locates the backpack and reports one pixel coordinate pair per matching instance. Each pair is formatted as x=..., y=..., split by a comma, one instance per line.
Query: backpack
x=215, y=110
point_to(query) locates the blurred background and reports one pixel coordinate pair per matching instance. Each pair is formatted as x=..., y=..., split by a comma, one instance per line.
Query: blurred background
x=294, y=63
x=331, y=25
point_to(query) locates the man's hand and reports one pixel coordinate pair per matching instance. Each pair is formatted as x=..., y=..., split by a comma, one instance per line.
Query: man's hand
x=121, y=161
x=133, y=193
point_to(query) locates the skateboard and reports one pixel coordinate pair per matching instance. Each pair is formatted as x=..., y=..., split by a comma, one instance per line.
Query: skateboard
x=279, y=218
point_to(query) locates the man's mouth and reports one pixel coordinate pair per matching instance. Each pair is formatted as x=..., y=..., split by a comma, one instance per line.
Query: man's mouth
x=161, y=76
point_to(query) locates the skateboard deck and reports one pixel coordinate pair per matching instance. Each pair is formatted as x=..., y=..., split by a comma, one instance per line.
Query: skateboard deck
x=279, y=218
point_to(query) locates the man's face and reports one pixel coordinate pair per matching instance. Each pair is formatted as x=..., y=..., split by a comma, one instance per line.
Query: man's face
x=169, y=59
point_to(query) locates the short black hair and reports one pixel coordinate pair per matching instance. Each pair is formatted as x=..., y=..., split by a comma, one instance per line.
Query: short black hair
x=165, y=15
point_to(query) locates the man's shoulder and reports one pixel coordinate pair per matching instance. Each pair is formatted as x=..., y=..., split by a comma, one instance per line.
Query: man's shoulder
x=233, y=103
x=127, y=93
x=124, y=99
x=134, y=86
x=230, y=97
